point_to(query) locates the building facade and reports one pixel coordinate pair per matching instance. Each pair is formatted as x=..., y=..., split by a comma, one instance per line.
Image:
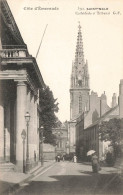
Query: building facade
x=79, y=89
x=88, y=136
x=20, y=82
x=86, y=107
x=61, y=134
x=81, y=100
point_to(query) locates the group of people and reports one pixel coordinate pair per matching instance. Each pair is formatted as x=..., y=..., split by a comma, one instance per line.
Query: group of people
x=58, y=158
x=94, y=160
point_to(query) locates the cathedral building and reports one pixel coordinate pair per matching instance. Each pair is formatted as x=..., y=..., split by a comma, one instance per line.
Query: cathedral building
x=87, y=109
x=83, y=103
x=79, y=89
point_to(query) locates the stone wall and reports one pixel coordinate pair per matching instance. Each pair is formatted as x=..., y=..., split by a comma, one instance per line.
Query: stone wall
x=48, y=152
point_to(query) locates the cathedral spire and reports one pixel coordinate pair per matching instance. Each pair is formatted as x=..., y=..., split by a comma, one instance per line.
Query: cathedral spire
x=79, y=90
x=80, y=75
x=79, y=54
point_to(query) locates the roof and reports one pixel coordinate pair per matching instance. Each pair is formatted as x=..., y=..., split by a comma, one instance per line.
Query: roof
x=9, y=20
x=104, y=116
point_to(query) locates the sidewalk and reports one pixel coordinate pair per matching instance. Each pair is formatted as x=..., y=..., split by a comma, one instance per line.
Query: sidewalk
x=9, y=181
x=119, y=166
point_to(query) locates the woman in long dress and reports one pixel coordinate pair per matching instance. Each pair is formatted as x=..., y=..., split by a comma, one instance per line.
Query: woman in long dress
x=95, y=163
x=74, y=159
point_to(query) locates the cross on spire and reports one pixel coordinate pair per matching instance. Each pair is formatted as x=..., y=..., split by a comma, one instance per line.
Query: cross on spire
x=79, y=25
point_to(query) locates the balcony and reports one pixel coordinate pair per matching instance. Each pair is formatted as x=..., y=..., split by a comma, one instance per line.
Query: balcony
x=14, y=51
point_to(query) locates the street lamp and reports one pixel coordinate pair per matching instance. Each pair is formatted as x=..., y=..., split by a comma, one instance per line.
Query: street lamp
x=41, y=144
x=27, y=118
x=23, y=135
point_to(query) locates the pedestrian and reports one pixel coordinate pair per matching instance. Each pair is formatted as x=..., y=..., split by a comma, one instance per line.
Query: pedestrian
x=74, y=159
x=95, y=163
x=58, y=157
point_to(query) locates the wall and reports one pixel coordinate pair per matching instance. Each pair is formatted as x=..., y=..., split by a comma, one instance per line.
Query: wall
x=75, y=94
x=72, y=136
x=48, y=152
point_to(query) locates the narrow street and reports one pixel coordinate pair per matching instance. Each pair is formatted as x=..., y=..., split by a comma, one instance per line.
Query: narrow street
x=74, y=179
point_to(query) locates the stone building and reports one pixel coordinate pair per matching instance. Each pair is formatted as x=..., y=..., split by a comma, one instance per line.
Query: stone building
x=87, y=109
x=80, y=98
x=61, y=134
x=88, y=136
x=20, y=82
x=79, y=89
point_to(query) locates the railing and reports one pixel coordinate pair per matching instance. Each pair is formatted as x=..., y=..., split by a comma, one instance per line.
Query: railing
x=13, y=53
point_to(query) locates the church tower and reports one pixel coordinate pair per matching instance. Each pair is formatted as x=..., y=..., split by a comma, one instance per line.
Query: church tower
x=79, y=89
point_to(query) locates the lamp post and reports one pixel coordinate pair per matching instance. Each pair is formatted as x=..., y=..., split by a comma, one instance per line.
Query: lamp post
x=27, y=118
x=23, y=135
x=41, y=144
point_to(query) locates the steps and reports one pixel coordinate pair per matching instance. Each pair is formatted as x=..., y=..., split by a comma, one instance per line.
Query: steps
x=7, y=167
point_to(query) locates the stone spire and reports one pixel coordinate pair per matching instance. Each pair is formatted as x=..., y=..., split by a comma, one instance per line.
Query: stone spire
x=80, y=75
x=79, y=54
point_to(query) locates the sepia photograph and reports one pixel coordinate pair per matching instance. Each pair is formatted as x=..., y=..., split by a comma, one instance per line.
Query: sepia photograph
x=61, y=97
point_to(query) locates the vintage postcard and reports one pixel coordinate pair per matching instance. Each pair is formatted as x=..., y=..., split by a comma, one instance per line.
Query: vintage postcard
x=61, y=97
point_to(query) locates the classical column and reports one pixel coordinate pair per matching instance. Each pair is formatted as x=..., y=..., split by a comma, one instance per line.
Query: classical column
x=21, y=124
x=7, y=131
x=1, y=127
x=28, y=99
x=32, y=133
x=36, y=128
x=38, y=140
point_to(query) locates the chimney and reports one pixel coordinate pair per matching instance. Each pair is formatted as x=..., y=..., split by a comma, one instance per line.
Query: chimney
x=103, y=104
x=121, y=98
x=114, y=100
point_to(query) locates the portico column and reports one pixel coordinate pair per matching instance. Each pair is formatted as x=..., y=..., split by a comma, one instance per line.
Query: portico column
x=35, y=127
x=1, y=127
x=31, y=129
x=21, y=124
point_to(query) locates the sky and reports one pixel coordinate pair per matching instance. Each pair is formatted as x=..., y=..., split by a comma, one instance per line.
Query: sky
x=102, y=32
